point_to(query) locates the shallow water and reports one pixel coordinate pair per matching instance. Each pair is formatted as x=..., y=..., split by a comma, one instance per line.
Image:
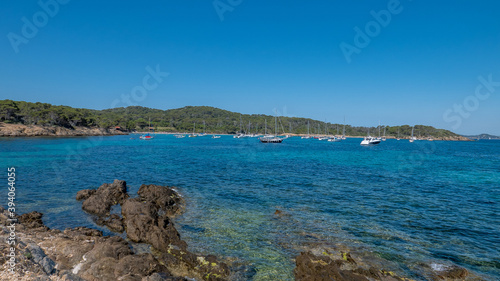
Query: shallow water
x=431, y=202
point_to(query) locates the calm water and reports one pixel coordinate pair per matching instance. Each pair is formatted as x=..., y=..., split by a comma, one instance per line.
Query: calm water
x=430, y=202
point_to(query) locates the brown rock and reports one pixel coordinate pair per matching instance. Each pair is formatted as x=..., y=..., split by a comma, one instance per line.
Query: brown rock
x=105, y=197
x=139, y=265
x=143, y=224
x=114, y=222
x=32, y=220
x=453, y=272
x=311, y=267
x=85, y=194
x=164, y=197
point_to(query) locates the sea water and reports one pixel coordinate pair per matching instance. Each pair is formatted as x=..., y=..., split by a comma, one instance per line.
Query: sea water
x=425, y=202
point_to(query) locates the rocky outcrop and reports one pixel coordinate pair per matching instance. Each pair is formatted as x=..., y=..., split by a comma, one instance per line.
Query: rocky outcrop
x=20, y=130
x=75, y=254
x=148, y=219
x=143, y=223
x=100, y=201
x=167, y=200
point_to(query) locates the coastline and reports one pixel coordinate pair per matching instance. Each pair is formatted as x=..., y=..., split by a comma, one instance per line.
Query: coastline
x=21, y=130
x=457, y=138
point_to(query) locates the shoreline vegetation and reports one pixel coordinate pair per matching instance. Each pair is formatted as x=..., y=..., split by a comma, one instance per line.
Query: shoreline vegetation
x=26, y=119
x=155, y=251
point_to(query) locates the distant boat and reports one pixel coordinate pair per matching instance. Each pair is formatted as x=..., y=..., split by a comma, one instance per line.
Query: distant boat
x=398, y=135
x=180, y=136
x=272, y=139
x=334, y=139
x=369, y=140
x=343, y=131
x=308, y=134
x=384, y=138
x=412, y=139
x=193, y=135
x=147, y=136
x=239, y=135
x=215, y=137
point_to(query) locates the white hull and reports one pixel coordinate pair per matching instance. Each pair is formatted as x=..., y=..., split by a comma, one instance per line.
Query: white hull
x=370, y=141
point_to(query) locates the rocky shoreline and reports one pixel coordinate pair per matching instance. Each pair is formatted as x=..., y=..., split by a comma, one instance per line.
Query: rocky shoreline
x=20, y=130
x=83, y=253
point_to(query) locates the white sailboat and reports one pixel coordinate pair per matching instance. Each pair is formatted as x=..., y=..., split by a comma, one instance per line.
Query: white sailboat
x=239, y=134
x=412, y=139
x=193, y=135
x=343, y=131
x=270, y=138
x=334, y=139
x=325, y=137
x=308, y=134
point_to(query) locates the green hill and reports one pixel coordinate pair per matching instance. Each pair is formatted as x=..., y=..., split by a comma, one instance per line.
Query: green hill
x=183, y=119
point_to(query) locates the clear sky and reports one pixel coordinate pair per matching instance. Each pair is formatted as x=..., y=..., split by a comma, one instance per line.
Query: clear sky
x=421, y=66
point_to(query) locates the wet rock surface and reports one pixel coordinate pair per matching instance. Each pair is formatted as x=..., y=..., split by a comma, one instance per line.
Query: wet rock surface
x=83, y=253
x=100, y=201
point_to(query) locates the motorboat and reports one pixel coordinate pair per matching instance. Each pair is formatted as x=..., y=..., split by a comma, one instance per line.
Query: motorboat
x=370, y=141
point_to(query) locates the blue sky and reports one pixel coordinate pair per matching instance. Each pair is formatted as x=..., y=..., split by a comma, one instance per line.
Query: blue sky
x=419, y=67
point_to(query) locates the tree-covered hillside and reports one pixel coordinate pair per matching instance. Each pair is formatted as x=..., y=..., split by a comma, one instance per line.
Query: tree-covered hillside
x=210, y=119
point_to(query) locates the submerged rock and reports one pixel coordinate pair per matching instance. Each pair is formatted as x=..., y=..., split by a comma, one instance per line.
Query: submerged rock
x=340, y=267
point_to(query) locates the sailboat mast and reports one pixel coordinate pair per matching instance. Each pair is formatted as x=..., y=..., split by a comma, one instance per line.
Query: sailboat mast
x=343, y=130
x=265, y=130
x=275, y=125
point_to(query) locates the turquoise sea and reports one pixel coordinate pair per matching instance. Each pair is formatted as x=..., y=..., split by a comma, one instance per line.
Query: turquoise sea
x=407, y=203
